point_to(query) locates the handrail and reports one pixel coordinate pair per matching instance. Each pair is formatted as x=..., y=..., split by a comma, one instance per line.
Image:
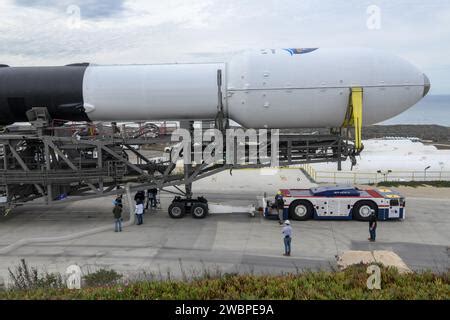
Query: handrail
x=374, y=177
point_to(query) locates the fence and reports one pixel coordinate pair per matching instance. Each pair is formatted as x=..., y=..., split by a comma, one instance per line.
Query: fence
x=355, y=177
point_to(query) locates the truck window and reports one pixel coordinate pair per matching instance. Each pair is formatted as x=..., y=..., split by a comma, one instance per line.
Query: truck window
x=394, y=203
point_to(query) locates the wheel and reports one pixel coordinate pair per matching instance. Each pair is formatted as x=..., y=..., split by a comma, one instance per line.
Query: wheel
x=177, y=210
x=199, y=210
x=363, y=209
x=301, y=210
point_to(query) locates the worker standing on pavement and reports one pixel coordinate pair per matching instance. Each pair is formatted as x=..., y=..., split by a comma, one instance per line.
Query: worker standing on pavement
x=151, y=198
x=117, y=211
x=118, y=201
x=372, y=226
x=287, y=237
x=279, y=203
x=139, y=211
x=139, y=196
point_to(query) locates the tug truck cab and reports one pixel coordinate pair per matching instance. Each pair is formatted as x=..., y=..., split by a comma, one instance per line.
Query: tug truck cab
x=339, y=203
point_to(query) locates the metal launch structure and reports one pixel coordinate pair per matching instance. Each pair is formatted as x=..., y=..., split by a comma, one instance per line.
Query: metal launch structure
x=85, y=155
x=69, y=161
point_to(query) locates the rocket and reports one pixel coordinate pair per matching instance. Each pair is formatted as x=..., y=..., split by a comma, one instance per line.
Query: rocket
x=269, y=88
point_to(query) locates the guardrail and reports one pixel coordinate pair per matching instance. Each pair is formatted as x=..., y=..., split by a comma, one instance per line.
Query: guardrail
x=355, y=177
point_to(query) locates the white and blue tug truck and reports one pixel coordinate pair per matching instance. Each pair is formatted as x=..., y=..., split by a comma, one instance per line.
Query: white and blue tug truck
x=338, y=203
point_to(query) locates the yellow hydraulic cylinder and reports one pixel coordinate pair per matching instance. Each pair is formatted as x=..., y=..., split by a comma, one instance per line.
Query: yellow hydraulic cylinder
x=354, y=115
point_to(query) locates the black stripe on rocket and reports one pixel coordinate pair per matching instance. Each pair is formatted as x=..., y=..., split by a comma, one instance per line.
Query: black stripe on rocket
x=59, y=89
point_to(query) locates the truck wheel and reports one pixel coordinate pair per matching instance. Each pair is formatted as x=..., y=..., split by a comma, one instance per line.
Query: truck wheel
x=301, y=210
x=199, y=210
x=177, y=210
x=362, y=210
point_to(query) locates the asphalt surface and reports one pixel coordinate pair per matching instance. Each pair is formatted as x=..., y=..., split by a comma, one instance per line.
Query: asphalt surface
x=225, y=243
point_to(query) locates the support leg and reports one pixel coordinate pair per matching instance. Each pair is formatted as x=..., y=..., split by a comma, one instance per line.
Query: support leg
x=354, y=115
x=357, y=103
x=130, y=204
x=189, y=125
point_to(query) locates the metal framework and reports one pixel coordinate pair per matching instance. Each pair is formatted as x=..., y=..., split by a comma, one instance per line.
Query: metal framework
x=73, y=161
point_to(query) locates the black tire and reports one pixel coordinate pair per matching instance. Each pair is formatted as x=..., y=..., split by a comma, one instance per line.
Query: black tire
x=177, y=210
x=362, y=210
x=301, y=210
x=199, y=210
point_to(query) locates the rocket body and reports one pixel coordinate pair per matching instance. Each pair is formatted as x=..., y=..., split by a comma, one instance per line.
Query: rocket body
x=275, y=88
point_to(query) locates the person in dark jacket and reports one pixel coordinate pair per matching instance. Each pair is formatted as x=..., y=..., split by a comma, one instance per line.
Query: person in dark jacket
x=118, y=201
x=372, y=226
x=279, y=205
x=139, y=196
x=151, y=195
x=117, y=211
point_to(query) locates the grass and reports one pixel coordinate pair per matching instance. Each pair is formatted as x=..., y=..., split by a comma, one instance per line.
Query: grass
x=415, y=184
x=347, y=284
x=101, y=278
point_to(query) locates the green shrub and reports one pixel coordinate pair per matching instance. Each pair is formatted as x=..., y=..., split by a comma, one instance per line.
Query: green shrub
x=101, y=278
x=347, y=284
x=24, y=277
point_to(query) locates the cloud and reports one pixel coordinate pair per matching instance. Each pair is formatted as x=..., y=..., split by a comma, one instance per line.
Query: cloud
x=36, y=32
x=90, y=9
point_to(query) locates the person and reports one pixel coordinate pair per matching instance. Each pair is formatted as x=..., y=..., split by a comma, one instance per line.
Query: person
x=118, y=201
x=151, y=194
x=139, y=196
x=117, y=211
x=287, y=237
x=139, y=211
x=115, y=128
x=372, y=226
x=279, y=204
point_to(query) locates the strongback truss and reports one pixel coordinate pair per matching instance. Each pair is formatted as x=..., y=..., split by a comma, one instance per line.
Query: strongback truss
x=79, y=161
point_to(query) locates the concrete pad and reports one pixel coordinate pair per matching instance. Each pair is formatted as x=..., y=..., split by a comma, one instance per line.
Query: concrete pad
x=255, y=181
x=220, y=208
x=387, y=258
x=233, y=242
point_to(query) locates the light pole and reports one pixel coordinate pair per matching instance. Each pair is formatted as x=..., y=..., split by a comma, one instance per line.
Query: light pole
x=425, y=173
x=384, y=174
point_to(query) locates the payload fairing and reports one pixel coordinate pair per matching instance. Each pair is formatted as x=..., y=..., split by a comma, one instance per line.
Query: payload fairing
x=274, y=88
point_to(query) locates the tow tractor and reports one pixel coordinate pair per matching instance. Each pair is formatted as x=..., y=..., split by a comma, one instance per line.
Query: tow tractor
x=339, y=203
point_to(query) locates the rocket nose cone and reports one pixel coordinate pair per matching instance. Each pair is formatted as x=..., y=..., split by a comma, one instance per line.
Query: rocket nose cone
x=427, y=85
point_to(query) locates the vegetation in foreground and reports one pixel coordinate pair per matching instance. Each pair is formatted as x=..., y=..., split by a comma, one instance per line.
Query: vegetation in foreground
x=415, y=184
x=348, y=284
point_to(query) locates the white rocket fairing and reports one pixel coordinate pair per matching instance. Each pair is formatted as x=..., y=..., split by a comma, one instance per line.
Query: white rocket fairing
x=274, y=88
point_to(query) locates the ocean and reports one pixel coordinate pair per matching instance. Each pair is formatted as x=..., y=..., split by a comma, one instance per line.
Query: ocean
x=433, y=109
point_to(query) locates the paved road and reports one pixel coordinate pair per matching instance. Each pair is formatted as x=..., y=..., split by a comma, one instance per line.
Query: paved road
x=226, y=242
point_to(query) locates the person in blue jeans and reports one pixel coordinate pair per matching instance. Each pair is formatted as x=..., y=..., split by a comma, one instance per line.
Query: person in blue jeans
x=139, y=211
x=372, y=226
x=151, y=198
x=279, y=205
x=117, y=211
x=287, y=237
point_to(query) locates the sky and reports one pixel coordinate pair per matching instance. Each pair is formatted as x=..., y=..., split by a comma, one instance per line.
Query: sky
x=59, y=32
